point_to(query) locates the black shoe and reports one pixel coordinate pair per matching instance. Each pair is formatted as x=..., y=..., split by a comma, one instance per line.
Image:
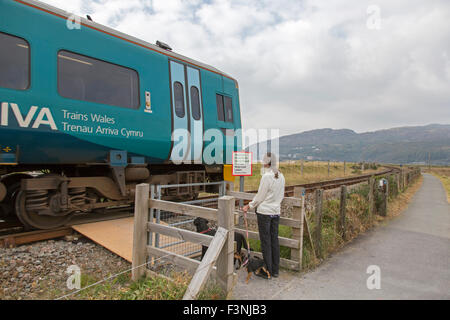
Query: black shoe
x=275, y=275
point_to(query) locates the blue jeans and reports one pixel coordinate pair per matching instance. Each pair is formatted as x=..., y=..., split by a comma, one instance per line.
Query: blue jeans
x=270, y=247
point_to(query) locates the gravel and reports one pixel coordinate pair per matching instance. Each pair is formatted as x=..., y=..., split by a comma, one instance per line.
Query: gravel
x=38, y=270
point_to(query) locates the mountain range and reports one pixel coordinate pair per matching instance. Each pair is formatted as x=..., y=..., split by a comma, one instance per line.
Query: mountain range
x=403, y=145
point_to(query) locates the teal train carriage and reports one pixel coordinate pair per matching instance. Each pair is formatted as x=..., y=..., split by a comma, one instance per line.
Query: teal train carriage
x=88, y=112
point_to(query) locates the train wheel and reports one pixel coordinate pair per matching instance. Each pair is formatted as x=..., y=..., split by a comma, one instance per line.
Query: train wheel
x=26, y=210
x=8, y=203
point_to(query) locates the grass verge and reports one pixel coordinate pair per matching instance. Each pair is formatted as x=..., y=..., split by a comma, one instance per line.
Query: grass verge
x=149, y=288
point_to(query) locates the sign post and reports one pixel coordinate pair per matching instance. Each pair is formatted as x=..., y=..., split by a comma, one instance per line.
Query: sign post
x=242, y=166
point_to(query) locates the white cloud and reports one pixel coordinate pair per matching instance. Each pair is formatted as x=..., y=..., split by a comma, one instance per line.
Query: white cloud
x=306, y=64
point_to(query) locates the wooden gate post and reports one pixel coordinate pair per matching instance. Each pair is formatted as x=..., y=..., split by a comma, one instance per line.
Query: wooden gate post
x=342, y=210
x=397, y=181
x=225, y=219
x=297, y=233
x=139, y=256
x=402, y=178
x=328, y=168
x=371, y=199
x=384, y=200
x=318, y=220
x=405, y=183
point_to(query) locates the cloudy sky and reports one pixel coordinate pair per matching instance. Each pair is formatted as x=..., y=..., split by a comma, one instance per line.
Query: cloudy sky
x=302, y=65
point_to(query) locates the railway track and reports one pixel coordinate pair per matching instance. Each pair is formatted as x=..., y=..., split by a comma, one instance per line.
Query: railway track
x=325, y=184
x=13, y=233
x=336, y=183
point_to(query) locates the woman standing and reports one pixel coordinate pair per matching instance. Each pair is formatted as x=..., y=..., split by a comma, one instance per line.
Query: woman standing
x=267, y=203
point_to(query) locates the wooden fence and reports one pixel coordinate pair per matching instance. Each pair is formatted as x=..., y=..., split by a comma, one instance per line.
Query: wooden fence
x=300, y=224
x=403, y=178
x=220, y=247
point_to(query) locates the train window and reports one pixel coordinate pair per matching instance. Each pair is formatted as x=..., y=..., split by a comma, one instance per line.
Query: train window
x=93, y=80
x=195, y=101
x=224, y=108
x=179, y=99
x=220, y=113
x=228, y=109
x=14, y=62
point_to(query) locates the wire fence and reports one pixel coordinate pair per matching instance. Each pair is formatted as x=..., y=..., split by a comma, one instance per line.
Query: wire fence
x=110, y=277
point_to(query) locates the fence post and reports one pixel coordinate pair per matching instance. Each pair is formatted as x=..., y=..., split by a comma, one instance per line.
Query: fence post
x=401, y=180
x=297, y=233
x=405, y=180
x=241, y=189
x=318, y=220
x=383, y=211
x=371, y=198
x=342, y=210
x=397, y=181
x=328, y=168
x=225, y=219
x=139, y=256
x=151, y=214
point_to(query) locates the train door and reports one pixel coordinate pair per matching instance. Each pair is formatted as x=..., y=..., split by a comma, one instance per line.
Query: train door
x=196, y=113
x=187, y=111
x=180, y=122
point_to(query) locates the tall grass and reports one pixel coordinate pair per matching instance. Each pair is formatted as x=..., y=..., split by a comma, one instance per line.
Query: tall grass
x=149, y=288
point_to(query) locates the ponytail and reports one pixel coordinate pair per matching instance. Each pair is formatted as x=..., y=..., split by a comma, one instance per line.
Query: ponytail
x=270, y=159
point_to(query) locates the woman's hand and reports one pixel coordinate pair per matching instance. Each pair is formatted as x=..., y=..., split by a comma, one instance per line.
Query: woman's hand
x=245, y=208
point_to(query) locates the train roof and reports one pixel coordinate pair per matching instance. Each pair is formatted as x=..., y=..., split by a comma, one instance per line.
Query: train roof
x=101, y=28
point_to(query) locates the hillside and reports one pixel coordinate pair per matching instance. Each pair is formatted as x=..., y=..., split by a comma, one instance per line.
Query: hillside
x=396, y=145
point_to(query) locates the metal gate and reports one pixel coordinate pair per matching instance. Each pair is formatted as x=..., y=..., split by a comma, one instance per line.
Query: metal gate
x=181, y=221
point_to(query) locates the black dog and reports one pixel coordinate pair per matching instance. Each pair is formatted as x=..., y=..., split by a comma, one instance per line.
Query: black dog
x=257, y=266
x=201, y=225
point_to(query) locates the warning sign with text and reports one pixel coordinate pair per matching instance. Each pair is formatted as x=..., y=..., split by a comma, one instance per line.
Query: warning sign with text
x=242, y=163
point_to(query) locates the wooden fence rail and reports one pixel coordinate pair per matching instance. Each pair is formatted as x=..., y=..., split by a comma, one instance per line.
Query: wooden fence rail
x=204, y=269
x=220, y=247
